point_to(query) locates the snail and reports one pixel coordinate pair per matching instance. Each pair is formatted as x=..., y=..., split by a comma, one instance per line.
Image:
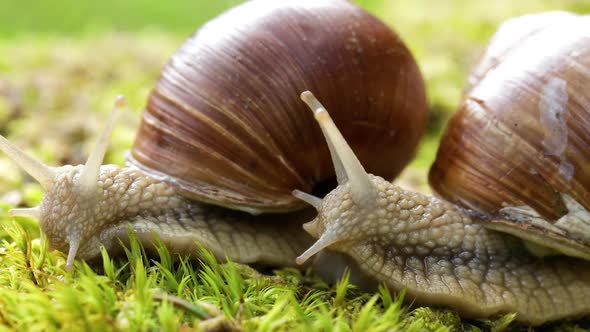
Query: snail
x=459, y=252
x=510, y=228
x=224, y=140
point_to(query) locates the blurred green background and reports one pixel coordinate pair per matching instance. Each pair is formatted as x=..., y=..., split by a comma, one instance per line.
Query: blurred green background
x=61, y=59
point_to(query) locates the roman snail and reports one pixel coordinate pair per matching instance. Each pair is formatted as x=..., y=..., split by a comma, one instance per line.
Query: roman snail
x=442, y=253
x=514, y=163
x=224, y=137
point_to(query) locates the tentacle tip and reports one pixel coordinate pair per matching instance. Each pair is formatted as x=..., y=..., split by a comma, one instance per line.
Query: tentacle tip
x=44, y=174
x=120, y=101
x=314, y=249
x=316, y=202
x=74, y=246
x=69, y=265
x=324, y=241
x=306, y=96
x=34, y=212
x=301, y=260
x=314, y=104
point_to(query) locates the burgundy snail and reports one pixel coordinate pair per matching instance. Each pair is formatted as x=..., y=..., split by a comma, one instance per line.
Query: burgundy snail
x=489, y=249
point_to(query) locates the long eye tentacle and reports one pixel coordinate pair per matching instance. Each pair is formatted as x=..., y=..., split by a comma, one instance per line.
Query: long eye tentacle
x=88, y=181
x=307, y=198
x=89, y=176
x=361, y=188
x=34, y=212
x=328, y=238
x=349, y=172
x=75, y=240
x=42, y=173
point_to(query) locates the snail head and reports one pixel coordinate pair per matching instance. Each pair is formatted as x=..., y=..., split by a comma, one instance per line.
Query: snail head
x=72, y=208
x=346, y=211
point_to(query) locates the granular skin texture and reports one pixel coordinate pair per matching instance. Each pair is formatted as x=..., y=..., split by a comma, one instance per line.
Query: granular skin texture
x=443, y=257
x=126, y=199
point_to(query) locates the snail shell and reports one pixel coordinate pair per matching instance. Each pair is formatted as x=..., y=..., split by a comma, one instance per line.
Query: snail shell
x=225, y=124
x=522, y=134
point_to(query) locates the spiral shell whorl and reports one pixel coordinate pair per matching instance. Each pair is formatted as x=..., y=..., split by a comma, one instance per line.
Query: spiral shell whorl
x=521, y=136
x=225, y=122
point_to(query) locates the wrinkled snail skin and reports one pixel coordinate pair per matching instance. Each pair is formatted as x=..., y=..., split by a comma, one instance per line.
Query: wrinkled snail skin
x=126, y=199
x=440, y=254
x=93, y=205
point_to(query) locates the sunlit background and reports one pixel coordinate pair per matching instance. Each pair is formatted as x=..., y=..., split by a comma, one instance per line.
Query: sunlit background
x=62, y=63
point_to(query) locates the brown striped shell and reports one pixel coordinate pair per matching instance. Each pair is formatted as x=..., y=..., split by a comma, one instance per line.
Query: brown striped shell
x=225, y=123
x=522, y=134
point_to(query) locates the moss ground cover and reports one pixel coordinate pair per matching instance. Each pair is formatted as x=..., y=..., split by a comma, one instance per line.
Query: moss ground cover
x=59, y=75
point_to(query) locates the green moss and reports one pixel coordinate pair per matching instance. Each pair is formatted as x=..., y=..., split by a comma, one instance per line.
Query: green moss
x=141, y=293
x=138, y=293
x=62, y=67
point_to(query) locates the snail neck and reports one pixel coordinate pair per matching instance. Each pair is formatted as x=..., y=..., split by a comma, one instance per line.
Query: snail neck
x=410, y=223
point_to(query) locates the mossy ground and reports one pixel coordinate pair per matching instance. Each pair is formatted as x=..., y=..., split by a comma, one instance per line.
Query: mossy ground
x=138, y=293
x=56, y=88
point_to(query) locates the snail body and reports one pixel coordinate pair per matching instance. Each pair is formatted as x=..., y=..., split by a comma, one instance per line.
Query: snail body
x=444, y=253
x=440, y=253
x=511, y=173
